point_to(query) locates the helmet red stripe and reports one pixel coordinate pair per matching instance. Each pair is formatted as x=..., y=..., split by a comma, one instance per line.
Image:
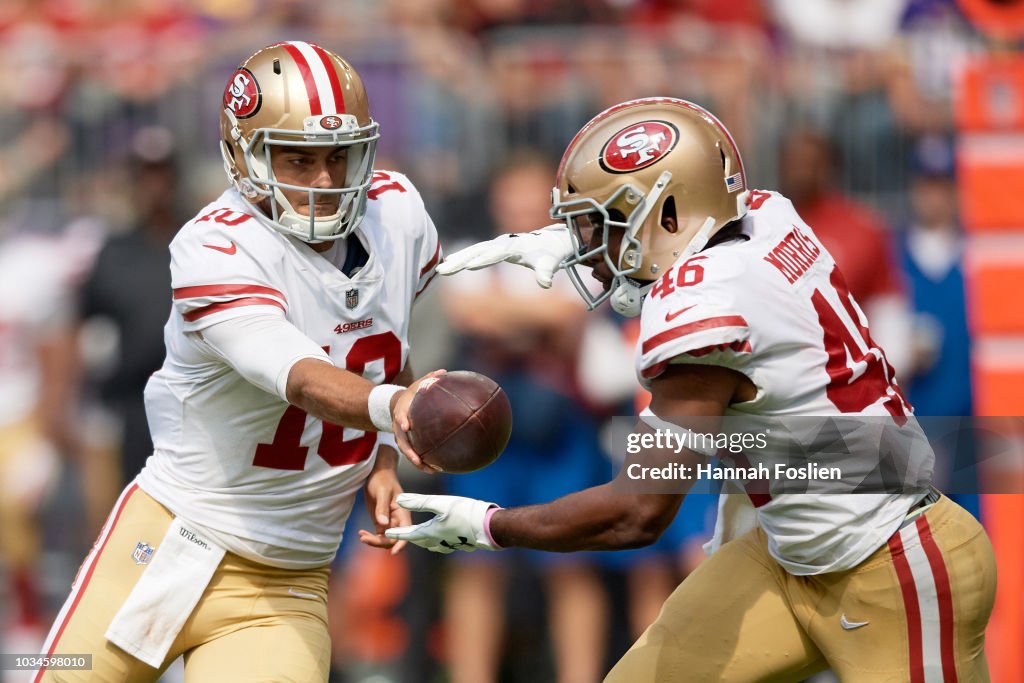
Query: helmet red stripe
x=332, y=75
x=307, y=78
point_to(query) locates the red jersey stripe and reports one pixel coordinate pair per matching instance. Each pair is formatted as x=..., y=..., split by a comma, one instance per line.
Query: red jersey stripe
x=433, y=260
x=690, y=328
x=227, y=305
x=307, y=78
x=332, y=76
x=654, y=370
x=737, y=346
x=426, y=284
x=225, y=290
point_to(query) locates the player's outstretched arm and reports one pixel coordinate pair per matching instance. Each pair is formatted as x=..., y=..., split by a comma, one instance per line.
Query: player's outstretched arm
x=594, y=519
x=276, y=356
x=597, y=518
x=342, y=397
x=541, y=250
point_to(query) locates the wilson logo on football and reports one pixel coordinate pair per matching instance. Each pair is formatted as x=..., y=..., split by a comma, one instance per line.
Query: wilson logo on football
x=242, y=94
x=638, y=146
x=330, y=122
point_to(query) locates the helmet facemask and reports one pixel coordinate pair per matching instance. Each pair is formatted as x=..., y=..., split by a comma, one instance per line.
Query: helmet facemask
x=257, y=182
x=666, y=172
x=628, y=208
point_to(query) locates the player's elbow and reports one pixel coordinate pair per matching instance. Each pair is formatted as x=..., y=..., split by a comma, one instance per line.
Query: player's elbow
x=642, y=527
x=297, y=388
x=306, y=383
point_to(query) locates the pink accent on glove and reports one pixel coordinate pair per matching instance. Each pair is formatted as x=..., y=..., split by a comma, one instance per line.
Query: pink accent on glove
x=487, y=526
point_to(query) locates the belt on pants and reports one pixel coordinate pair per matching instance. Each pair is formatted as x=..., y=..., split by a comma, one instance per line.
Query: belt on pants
x=921, y=506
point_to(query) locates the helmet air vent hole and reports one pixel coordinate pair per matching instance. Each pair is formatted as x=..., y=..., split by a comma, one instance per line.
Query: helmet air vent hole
x=277, y=67
x=668, y=210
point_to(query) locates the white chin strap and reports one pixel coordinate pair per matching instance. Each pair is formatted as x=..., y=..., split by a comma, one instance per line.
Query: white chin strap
x=627, y=297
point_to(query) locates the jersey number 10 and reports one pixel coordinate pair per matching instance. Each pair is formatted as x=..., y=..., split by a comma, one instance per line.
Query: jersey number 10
x=286, y=451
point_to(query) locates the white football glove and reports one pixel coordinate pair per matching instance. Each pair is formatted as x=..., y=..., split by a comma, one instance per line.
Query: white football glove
x=542, y=251
x=458, y=523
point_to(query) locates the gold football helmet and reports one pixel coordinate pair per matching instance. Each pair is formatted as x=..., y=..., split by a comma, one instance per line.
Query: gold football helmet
x=631, y=166
x=297, y=94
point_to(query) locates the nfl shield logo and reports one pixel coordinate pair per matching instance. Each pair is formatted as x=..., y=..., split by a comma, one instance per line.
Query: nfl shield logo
x=352, y=298
x=143, y=553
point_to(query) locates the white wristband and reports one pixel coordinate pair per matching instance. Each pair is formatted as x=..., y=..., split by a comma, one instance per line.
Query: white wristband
x=379, y=405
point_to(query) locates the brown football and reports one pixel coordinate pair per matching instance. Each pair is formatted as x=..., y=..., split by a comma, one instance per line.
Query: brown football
x=461, y=422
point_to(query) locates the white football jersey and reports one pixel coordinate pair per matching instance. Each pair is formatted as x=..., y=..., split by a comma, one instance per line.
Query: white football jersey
x=264, y=478
x=772, y=305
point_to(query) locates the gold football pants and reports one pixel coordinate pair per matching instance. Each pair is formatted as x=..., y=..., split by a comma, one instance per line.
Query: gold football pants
x=252, y=623
x=915, y=611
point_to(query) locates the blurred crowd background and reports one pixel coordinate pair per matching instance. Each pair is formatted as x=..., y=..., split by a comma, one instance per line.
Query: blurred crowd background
x=108, y=142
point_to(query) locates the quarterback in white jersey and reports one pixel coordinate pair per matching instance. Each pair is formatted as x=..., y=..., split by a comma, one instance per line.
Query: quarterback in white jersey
x=287, y=356
x=283, y=482
x=743, y=313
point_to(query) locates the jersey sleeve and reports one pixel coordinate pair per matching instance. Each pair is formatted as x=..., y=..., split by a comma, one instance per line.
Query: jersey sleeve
x=220, y=272
x=402, y=206
x=430, y=254
x=262, y=349
x=698, y=323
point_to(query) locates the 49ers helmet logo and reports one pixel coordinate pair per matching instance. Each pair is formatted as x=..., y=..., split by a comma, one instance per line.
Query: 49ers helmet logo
x=638, y=146
x=330, y=122
x=242, y=94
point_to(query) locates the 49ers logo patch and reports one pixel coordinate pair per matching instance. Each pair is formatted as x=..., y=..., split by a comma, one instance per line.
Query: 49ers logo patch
x=242, y=94
x=638, y=146
x=330, y=122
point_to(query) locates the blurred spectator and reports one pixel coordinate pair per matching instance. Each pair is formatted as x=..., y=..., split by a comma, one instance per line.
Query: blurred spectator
x=932, y=47
x=856, y=236
x=130, y=286
x=932, y=254
x=526, y=339
x=32, y=135
x=489, y=14
x=838, y=68
x=37, y=278
x=434, y=96
x=932, y=259
x=840, y=24
x=748, y=13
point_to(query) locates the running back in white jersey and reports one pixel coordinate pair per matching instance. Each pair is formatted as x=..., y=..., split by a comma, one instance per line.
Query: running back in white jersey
x=269, y=481
x=772, y=305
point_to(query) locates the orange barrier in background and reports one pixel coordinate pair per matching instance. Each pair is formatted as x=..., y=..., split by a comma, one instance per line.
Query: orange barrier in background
x=995, y=290
x=990, y=169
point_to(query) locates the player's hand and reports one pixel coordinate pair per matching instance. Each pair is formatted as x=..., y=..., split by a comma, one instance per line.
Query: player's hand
x=401, y=424
x=458, y=523
x=541, y=250
x=381, y=492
